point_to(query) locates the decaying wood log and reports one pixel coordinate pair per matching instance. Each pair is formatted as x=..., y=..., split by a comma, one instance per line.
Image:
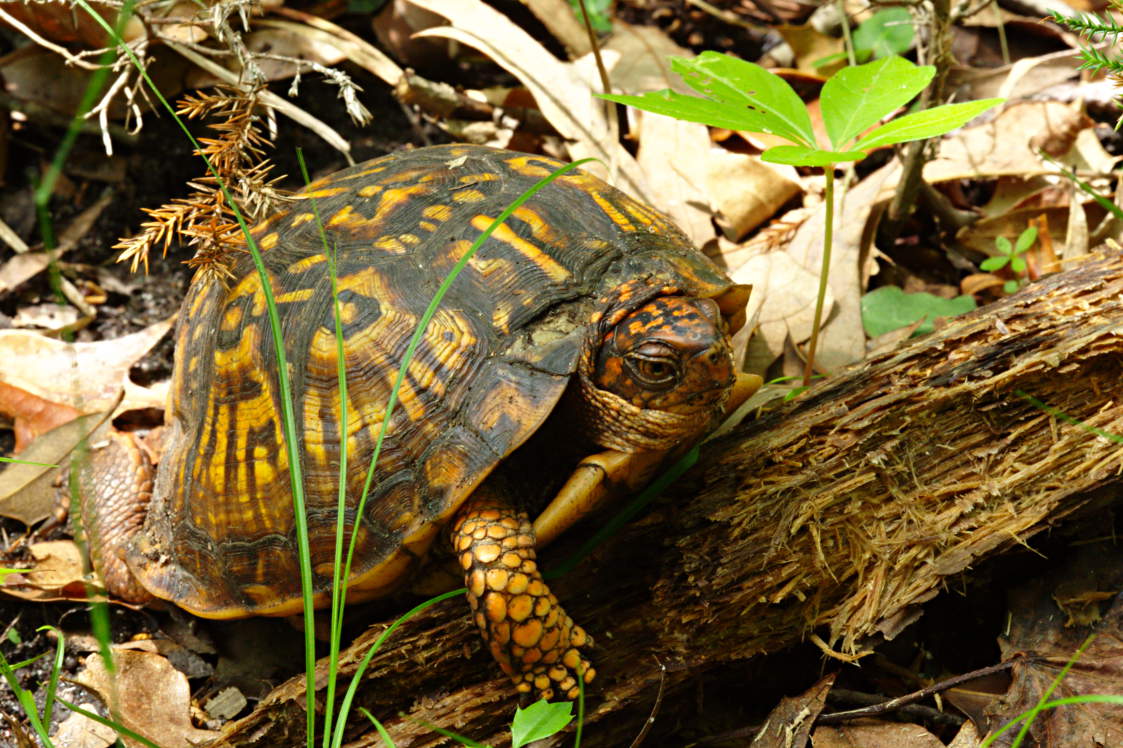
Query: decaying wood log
x=840, y=514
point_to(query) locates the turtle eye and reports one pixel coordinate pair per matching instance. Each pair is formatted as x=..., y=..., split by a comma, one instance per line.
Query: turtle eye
x=655, y=365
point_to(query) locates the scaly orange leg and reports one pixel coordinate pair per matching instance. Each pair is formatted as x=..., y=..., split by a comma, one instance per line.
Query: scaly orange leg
x=527, y=631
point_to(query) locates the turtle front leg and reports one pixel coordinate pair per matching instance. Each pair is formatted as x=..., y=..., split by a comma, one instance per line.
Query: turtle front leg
x=527, y=631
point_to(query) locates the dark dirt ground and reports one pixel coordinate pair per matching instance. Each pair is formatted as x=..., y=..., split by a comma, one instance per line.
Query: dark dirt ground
x=958, y=632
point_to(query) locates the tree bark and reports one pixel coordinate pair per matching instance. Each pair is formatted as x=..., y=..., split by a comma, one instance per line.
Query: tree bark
x=838, y=515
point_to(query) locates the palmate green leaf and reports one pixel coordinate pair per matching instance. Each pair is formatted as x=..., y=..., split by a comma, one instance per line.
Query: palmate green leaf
x=889, y=308
x=887, y=32
x=1026, y=240
x=694, y=109
x=797, y=155
x=539, y=720
x=737, y=83
x=856, y=98
x=926, y=124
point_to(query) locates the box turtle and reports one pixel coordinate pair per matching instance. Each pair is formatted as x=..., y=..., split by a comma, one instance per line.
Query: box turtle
x=582, y=343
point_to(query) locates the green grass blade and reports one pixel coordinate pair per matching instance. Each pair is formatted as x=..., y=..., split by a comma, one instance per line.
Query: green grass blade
x=356, y=679
x=465, y=741
x=26, y=701
x=337, y=585
x=56, y=669
x=378, y=726
x=287, y=412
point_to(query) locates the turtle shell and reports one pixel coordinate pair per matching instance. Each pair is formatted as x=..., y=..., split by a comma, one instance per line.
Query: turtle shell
x=219, y=539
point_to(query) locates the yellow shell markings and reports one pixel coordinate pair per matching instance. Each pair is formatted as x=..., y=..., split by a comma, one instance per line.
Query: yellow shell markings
x=244, y=435
x=369, y=190
x=539, y=228
x=611, y=211
x=307, y=263
x=292, y=297
x=345, y=216
x=319, y=190
x=448, y=341
x=548, y=265
x=468, y=196
x=439, y=213
x=268, y=241
x=391, y=244
x=396, y=197
x=531, y=166
x=386, y=336
x=477, y=178
x=299, y=219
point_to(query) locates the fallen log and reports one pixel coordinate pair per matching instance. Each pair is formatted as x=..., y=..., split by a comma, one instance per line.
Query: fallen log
x=838, y=516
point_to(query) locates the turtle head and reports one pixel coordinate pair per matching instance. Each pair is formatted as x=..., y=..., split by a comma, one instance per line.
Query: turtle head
x=672, y=354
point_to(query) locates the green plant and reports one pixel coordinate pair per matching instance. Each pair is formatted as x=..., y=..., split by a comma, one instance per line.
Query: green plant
x=889, y=308
x=1011, y=255
x=887, y=32
x=742, y=96
x=1095, y=28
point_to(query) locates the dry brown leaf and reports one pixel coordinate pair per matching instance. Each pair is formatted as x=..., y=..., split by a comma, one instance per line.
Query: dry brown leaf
x=672, y=153
x=782, y=302
x=58, y=22
x=747, y=191
x=875, y=734
x=152, y=698
x=28, y=492
x=1038, y=628
x=558, y=17
x=810, y=45
x=23, y=266
x=87, y=376
x=1003, y=146
x=562, y=90
x=967, y=737
x=56, y=573
x=79, y=731
x=789, y=723
x=31, y=415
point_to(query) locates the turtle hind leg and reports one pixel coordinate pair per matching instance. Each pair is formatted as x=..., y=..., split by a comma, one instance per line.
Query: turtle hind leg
x=526, y=630
x=114, y=487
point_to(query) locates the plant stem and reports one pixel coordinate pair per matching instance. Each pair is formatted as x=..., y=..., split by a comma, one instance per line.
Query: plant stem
x=824, y=273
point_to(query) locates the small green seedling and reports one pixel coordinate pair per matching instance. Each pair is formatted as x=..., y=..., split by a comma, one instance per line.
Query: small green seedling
x=600, y=13
x=1012, y=255
x=540, y=720
x=739, y=95
x=887, y=32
